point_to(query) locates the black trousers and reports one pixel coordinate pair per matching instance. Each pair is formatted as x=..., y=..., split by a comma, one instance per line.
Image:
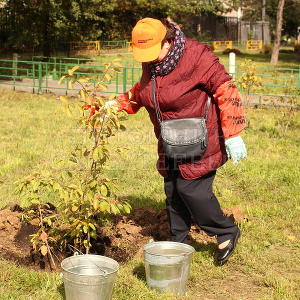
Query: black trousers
x=187, y=199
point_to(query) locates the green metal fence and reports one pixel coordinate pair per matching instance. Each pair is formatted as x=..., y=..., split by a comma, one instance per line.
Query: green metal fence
x=98, y=60
x=40, y=77
x=43, y=76
x=121, y=46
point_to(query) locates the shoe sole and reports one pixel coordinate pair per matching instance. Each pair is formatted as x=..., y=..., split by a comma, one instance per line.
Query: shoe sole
x=221, y=263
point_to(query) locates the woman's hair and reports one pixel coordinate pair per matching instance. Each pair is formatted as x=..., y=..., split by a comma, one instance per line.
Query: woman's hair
x=171, y=29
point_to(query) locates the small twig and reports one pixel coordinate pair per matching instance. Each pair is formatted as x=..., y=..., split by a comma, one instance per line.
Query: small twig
x=88, y=248
x=49, y=261
x=77, y=250
x=50, y=254
x=47, y=245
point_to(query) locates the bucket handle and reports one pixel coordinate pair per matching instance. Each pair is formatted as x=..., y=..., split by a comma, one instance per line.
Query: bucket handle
x=78, y=252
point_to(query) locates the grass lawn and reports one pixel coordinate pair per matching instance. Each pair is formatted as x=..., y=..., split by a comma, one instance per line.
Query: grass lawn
x=34, y=132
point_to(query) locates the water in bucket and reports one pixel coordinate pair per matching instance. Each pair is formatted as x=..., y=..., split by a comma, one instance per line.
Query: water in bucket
x=89, y=277
x=167, y=266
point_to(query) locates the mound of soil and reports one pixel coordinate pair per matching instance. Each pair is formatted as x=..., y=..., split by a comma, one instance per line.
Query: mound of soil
x=121, y=241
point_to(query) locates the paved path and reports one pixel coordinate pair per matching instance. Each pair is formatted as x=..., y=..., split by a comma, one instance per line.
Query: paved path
x=53, y=87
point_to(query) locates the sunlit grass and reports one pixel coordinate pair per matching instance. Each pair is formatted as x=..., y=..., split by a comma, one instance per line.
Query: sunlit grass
x=35, y=133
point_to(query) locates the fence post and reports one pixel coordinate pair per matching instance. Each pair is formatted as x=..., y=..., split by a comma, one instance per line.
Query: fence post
x=124, y=79
x=298, y=84
x=40, y=78
x=15, y=67
x=232, y=64
x=54, y=70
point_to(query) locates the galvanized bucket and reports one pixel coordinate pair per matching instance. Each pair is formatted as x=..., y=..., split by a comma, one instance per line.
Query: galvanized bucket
x=167, y=266
x=89, y=277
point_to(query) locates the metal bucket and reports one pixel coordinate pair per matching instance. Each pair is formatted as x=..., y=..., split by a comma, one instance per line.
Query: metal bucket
x=167, y=266
x=89, y=277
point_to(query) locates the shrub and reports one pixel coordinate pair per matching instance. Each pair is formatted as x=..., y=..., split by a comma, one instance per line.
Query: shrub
x=297, y=48
x=85, y=194
x=248, y=80
x=236, y=51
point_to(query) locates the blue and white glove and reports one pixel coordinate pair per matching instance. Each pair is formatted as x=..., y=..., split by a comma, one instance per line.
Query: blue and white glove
x=235, y=148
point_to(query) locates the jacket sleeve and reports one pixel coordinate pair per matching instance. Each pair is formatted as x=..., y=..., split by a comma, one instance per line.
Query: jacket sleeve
x=232, y=113
x=216, y=81
x=208, y=70
x=129, y=101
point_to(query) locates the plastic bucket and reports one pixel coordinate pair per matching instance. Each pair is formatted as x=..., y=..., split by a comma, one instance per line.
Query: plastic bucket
x=89, y=277
x=167, y=266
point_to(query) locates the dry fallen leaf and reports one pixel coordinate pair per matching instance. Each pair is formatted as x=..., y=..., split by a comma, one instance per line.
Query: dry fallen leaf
x=44, y=250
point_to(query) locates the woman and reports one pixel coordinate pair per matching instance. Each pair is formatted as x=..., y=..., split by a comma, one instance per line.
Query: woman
x=186, y=73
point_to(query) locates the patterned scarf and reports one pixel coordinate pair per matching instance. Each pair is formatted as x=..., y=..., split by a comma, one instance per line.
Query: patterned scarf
x=169, y=63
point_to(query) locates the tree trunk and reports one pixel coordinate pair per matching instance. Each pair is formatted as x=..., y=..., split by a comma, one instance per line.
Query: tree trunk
x=275, y=52
x=46, y=28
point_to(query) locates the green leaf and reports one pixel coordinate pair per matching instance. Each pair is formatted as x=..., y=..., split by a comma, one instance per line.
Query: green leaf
x=127, y=209
x=97, y=154
x=70, y=84
x=92, y=226
x=71, y=71
x=85, y=228
x=83, y=80
x=115, y=210
x=93, y=234
x=102, y=86
x=82, y=94
x=101, y=101
x=62, y=79
x=107, y=76
x=74, y=208
x=112, y=96
x=96, y=204
x=104, y=207
x=93, y=183
x=104, y=190
x=79, y=192
x=86, y=244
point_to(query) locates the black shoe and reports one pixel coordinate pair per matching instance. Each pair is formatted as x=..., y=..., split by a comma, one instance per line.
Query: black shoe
x=224, y=254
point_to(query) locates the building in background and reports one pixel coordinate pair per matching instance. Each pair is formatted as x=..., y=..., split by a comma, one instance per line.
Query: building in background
x=228, y=26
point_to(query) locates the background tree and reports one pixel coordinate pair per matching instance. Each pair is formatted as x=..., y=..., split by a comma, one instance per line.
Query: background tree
x=43, y=24
x=291, y=13
x=48, y=24
x=275, y=52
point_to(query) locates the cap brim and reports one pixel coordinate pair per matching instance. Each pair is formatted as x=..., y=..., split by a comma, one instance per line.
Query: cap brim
x=146, y=55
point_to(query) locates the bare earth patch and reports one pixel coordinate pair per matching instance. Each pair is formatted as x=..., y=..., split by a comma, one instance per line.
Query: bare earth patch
x=122, y=241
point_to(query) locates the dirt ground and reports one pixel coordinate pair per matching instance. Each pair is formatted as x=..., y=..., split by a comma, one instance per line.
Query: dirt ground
x=121, y=241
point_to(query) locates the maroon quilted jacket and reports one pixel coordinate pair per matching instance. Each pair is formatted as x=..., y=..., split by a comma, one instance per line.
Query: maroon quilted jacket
x=183, y=94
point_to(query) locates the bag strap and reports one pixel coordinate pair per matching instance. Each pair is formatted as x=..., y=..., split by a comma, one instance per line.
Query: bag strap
x=158, y=114
x=154, y=99
x=207, y=108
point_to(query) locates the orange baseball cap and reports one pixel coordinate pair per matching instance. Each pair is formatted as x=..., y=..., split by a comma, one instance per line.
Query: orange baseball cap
x=147, y=36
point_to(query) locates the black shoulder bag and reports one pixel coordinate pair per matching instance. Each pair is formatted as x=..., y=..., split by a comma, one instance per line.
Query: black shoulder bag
x=183, y=139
